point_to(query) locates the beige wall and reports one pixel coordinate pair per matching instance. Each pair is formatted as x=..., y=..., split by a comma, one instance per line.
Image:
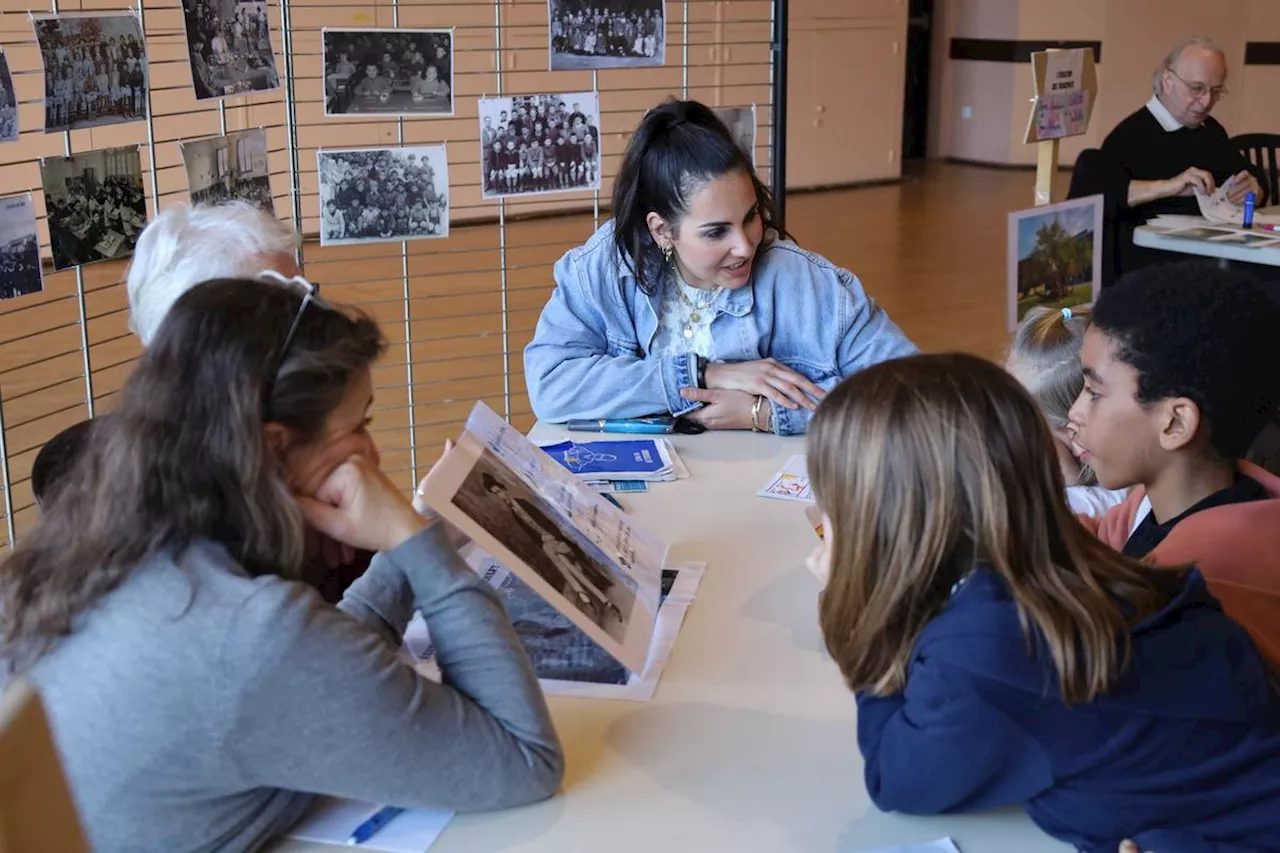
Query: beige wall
x=1135, y=35
x=846, y=74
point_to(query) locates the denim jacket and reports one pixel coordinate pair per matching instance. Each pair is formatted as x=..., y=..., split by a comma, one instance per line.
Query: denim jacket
x=589, y=357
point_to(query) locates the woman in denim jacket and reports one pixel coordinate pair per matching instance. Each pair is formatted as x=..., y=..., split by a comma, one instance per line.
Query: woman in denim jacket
x=690, y=303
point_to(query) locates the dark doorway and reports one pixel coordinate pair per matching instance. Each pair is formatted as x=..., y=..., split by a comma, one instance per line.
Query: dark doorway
x=915, y=112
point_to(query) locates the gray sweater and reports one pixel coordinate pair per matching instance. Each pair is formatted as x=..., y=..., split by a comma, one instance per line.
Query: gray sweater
x=195, y=704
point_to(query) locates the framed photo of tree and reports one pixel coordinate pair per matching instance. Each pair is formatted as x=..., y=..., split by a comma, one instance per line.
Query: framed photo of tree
x=1055, y=256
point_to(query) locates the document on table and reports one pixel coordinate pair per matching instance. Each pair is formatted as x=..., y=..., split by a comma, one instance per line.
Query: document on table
x=332, y=820
x=942, y=845
x=791, y=483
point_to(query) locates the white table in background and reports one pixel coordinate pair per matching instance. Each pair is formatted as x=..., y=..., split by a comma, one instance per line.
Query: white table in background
x=1152, y=237
x=750, y=743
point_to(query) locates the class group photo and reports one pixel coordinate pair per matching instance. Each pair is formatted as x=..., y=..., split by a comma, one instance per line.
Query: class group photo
x=588, y=34
x=534, y=144
x=96, y=205
x=95, y=69
x=229, y=47
x=398, y=72
x=383, y=194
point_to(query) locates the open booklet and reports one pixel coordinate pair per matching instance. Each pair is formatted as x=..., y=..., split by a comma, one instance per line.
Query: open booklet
x=565, y=542
x=1219, y=209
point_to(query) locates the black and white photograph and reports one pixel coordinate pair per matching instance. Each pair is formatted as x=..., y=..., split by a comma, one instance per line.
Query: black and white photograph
x=376, y=195
x=95, y=69
x=229, y=47
x=8, y=102
x=534, y=144
x=95, y=204
x=607, y=33
x=741, y=122
x=20, y=268
x=388, y=72
x=229, y=167
x=527, y=526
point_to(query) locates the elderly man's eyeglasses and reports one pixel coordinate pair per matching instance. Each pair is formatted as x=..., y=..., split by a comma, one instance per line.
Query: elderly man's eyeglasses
x=1200, y=90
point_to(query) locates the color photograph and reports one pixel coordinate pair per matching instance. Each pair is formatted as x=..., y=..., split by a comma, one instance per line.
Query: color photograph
x=607, y=33
x=229, y=167
x=378, y=195
x=1054, y=256
x=95, y=203
x=388, y=72
x=535, y=144
x=21, y=272
x=95, y=69
x=229, y=48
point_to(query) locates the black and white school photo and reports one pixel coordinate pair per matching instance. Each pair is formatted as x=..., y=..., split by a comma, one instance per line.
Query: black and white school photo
x=95, y=69
x=95, y=204
x=534, y=144
x=529, y=527
x=741, y=122
x=8, y=102
x=372, y=195
x=607, y=33
x=229, y=167
x=395, y=72
x=229, y=48
x=20, y=269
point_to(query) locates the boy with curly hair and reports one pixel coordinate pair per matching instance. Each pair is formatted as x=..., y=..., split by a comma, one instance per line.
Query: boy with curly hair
x=1182, y=371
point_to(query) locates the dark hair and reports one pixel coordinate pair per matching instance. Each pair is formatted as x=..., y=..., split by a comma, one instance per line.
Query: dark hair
x=183, y=458
x=1197, y=331
x=57, y=457
x=678, y=147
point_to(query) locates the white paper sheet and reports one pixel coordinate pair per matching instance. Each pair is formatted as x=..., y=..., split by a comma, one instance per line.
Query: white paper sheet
x=791, y=483
x=332, y=820
x=942, y=845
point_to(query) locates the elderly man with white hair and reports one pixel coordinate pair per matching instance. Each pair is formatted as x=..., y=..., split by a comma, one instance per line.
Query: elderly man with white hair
x=1164, y=152
x=185, y=245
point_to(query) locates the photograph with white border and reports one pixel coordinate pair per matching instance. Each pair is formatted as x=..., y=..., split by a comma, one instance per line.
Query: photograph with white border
x=387, y=71
x=21, y=272
x=741, y=122
x=539, y=144
x=8, y=102
x=1054, y=257
x=95, y=204
x=95, y=69
x=585, y=558
x=380, y=195
x=228, y=167
x=589, y=34
x=229, y=47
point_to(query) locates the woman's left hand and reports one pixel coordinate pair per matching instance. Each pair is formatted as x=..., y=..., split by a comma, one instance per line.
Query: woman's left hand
x=726, y=409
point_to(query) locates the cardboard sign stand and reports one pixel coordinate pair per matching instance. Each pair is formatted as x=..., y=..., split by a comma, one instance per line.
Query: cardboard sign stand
x=1066, y=88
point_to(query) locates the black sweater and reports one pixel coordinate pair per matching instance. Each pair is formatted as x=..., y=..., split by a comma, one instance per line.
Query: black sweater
x=1139, y=149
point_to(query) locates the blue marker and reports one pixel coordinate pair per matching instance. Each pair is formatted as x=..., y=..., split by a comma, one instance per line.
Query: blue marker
x=635, y=426
x=1250, y=201
x=373, y=825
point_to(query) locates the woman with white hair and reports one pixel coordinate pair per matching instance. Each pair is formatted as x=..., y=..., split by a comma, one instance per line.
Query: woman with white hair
x=187, y=244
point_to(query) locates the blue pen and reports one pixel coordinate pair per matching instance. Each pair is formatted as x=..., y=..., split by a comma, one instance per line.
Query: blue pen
x=611, y=499
x=635, y=426
x=376, y=822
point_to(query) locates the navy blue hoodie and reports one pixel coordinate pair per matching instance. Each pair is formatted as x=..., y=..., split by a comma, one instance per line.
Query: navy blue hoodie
x=1182, y=755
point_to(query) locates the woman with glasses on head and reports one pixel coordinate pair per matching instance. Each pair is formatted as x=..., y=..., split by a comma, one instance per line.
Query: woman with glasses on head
x=199, y=692
x=691, y=303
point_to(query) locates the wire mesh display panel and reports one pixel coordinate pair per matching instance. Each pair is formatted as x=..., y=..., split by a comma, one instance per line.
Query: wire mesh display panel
x=457, y=311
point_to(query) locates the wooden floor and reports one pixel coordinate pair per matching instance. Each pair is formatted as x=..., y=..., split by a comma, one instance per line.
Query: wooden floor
x=930, y=249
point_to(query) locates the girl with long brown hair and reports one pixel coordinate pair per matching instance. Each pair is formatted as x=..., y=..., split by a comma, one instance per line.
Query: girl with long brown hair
x=199, y=692
x=1000, y=654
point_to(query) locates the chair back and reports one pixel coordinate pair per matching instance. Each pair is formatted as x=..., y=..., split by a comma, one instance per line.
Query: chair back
x=1260, y=149
x=37, y=813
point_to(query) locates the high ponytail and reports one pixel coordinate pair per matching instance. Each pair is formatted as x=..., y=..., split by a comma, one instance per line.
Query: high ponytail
x=678, y=147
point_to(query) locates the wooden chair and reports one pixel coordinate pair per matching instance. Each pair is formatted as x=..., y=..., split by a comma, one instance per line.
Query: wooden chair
x=1260, y=149
x=37, y=813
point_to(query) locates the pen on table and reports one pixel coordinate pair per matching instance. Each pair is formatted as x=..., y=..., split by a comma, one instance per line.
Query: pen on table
x=637, y=426
x=611, y=499
x=373, y=824
x=1266, y=227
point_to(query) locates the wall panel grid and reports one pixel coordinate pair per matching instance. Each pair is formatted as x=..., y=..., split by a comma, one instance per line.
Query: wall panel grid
x=457, y=311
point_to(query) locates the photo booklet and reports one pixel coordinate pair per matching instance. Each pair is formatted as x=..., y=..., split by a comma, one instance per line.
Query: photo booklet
x=588, y=590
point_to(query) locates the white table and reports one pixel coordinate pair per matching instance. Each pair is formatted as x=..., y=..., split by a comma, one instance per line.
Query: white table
x=1153, y=237
x=750, y=743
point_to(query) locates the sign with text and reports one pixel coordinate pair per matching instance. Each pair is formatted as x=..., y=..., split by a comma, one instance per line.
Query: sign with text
x=1066, y=88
